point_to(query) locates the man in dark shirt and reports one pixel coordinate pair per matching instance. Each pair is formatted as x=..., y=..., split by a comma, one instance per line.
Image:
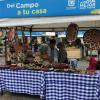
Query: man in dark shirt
x=62, y=54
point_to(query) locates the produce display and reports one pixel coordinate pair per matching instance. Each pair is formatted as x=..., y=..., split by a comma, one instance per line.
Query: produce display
x=53, y=67
x=92, y=39
x=59, y=66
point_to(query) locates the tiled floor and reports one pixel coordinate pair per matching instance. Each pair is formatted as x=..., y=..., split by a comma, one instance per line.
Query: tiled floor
x=12, y=96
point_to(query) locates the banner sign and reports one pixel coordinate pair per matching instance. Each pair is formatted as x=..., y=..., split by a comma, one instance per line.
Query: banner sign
x=40, y=8
x=26, y=33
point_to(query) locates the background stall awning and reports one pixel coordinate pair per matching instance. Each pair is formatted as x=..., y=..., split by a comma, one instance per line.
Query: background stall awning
x=50, y=23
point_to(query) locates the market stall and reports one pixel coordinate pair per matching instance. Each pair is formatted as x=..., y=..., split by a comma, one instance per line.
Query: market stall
x=30, y=70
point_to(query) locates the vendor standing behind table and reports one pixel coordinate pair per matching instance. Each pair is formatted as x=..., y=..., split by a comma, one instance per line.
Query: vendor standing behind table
x=53, y=52
x=62, y=54
x=43, y=49
x=35, y=46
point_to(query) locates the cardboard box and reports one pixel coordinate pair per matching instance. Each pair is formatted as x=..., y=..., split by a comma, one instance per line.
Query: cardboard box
x=74, y=53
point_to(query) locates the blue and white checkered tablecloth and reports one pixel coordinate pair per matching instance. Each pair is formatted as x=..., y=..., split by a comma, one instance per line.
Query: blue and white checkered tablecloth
x=0, y=84
x=70, y=86
x=98, y=73
x=23, y=81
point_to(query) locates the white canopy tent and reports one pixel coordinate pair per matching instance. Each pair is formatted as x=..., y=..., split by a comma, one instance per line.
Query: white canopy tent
x=52, y=23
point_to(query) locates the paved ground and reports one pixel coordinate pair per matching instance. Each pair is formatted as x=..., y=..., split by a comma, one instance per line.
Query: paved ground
x=12, y=96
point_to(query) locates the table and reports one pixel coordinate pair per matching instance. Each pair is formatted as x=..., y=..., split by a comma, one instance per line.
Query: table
x=98, y=73
x=70, y=86
x=1, y=85
x=51, y=85
x=23, y=81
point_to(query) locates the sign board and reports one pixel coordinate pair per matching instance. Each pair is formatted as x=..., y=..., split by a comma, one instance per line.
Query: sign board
x=50, y=34
x=38, y=8
x=74, y=53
